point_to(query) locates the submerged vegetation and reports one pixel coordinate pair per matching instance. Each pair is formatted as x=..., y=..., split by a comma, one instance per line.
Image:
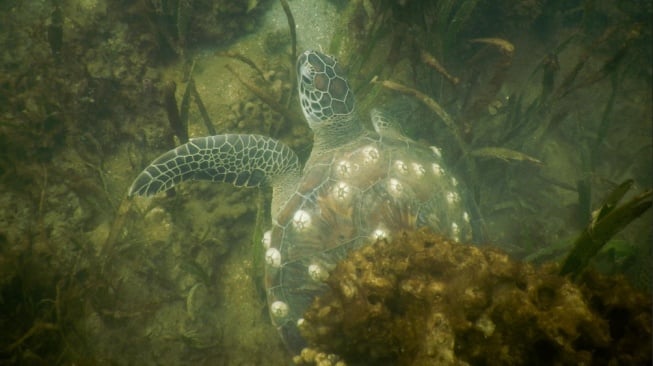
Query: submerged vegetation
x=542, y=107
x=426, y=300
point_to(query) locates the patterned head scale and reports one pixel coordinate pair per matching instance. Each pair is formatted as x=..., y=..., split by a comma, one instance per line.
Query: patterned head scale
x=323, y=90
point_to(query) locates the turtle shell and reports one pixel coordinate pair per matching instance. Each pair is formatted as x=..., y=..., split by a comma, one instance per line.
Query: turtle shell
x=348, y=198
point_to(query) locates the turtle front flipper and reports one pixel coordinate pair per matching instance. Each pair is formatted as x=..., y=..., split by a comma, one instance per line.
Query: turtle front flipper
x=243, y=160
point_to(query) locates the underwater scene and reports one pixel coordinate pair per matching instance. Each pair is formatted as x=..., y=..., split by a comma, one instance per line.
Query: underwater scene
x=326, y=182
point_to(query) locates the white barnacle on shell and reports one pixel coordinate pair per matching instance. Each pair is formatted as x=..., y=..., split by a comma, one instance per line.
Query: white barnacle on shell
x=343, y=168
x=401, y=167
x=301, y=220
x=370, y=154
x=279, y=309
x=341, y=191
x=380, y=234
x=437, y=169
x=455, y=231
x=436, y=151
x=317, y=272
x=395, y=187
x=466, y=217
x=418, y=169
x=266, y=240
x=273, y=257
x=452, y=197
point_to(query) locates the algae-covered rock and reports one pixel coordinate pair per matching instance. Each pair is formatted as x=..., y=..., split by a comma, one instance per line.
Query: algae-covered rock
x=425, y=300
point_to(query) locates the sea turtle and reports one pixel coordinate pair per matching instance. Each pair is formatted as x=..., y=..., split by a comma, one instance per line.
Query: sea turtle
x=358, y=186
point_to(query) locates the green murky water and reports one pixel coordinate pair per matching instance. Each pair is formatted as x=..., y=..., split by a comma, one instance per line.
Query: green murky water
x=549, y=109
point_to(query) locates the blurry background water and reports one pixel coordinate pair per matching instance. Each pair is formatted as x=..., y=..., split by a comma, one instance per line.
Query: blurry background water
x=550, y=103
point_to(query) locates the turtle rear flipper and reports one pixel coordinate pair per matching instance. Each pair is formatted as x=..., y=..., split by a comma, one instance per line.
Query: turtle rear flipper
x=243, y=160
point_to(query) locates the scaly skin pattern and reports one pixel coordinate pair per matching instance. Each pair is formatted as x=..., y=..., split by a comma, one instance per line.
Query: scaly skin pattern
x=243, y=160
x=357, y=187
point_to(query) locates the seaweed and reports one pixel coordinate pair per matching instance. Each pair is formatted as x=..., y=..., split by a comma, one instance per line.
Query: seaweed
x=268, y=99
x=546, y=129
x=607, y=220
x=422, y=299
x=177, y=124
x=293, y=33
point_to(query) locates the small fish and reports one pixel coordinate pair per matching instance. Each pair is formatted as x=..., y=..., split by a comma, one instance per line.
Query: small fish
x=506, y=47
x=504, y=154
x=431, y=61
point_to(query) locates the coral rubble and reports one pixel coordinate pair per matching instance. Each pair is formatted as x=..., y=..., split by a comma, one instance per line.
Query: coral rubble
x=425, y=300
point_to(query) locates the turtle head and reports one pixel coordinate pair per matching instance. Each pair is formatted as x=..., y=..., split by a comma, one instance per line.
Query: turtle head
x=324, y=93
